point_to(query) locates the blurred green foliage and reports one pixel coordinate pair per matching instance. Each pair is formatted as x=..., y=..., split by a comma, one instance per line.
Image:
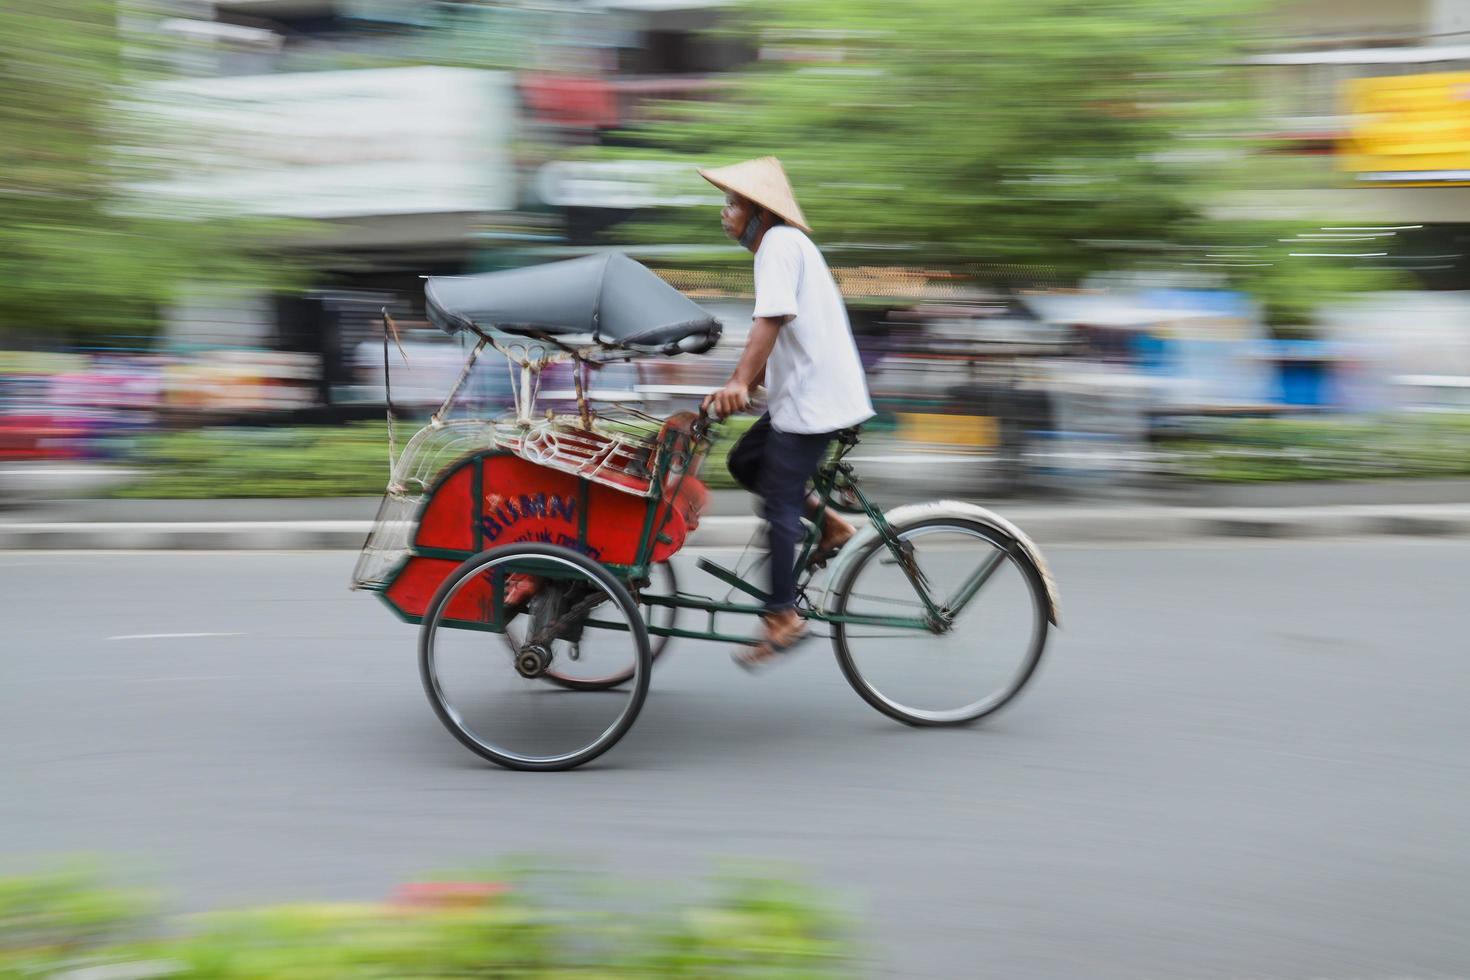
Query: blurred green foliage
x=302, y=461
x=1282, y=273
x=1024, y=137
x=1027, y=144
x=81, y=252
x=743, y=927
x=1292, y=289
x=1261, y=450
x=62, y=911
x=352, y=460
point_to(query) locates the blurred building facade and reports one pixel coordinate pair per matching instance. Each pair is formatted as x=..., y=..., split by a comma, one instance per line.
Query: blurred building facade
x=1377, y=92
x=427, y=137
x=1374, y=99
x=417, y=138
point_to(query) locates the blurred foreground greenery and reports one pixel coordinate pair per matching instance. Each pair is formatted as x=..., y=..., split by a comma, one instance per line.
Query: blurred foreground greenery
x=301, y=461
x=69, y=924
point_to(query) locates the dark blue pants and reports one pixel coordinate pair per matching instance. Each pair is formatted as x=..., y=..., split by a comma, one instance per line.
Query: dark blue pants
x=777, y=466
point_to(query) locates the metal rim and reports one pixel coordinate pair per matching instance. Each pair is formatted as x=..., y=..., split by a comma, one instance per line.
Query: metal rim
x=455, y=720
x=975, y=709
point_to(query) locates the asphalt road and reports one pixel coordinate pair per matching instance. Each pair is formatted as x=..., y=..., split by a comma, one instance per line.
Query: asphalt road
x=1243, y=760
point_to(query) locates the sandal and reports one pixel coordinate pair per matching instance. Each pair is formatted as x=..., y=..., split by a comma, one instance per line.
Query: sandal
x=825, y=551
x=820, y=556
x=767, y=652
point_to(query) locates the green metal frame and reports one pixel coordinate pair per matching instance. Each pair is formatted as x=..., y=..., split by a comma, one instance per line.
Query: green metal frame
x=830, y=476
x=834, y=473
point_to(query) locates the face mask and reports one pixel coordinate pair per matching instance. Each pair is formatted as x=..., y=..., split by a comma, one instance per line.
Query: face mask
x=753, y=229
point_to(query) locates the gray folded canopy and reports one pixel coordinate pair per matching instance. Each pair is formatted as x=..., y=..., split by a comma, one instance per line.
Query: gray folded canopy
x=610, y=298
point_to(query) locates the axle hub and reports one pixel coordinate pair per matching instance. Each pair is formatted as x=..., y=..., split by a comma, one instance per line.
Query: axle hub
x=533, y=660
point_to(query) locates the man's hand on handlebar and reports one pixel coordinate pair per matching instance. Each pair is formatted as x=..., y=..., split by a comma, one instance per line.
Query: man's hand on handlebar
x=734, y=397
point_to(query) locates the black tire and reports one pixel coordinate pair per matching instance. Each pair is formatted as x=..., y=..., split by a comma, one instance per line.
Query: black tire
x=1030, y=658
x=657, y=643
x=451, y=717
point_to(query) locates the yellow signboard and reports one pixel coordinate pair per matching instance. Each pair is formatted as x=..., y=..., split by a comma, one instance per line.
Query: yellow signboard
x=1409, y=130
x=952, y=431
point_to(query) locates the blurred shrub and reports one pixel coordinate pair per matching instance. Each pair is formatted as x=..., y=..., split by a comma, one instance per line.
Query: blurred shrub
x=301, y=461
x=61, y=912
x=745, y=928
x=755, y=928
x=1258, y=450
x=329, y=461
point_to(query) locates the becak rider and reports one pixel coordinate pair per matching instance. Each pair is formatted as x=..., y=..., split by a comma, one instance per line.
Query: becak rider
x=801, y=347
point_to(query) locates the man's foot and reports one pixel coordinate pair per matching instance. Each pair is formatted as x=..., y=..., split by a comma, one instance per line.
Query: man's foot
x=780, y=634
x=836, y=532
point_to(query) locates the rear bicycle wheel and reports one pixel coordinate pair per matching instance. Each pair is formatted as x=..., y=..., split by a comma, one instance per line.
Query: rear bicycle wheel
x=972, y=668
x=493, y=697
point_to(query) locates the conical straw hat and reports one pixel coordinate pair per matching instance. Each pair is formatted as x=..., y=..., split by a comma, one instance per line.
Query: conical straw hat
x=763, y=181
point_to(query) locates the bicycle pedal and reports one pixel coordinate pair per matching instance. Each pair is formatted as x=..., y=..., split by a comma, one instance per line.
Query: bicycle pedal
x=820, y=559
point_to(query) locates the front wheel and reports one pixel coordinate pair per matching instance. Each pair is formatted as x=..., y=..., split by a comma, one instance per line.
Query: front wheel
x=996, y=609
x=495, y=698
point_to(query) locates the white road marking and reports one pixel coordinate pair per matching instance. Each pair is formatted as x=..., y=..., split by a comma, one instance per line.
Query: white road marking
x=188, y=677
x=169, y=636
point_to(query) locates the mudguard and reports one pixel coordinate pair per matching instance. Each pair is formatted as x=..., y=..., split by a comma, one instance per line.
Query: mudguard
x=901, y=517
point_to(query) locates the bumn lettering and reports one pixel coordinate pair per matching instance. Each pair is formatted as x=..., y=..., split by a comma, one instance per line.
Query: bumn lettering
x=500, y=519
x=567, y=506
x=533, y=506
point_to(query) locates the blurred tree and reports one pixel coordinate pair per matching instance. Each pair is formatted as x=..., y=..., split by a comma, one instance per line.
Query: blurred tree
x=80, y=254
x=1290, y=291
x=1031, y=138
x=1289, y=269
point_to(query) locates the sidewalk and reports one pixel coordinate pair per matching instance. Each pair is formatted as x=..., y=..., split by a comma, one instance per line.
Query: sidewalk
x=737, y=503
x=1278, y=510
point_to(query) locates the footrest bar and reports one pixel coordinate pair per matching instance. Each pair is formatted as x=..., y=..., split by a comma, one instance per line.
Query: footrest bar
x=731, y=579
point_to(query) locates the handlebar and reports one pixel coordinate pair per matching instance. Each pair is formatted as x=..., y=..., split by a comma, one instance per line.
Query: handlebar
x=701, y=425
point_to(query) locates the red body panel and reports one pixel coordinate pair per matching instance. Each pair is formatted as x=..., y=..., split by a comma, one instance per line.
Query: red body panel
x=521, y=501
x=447, y=521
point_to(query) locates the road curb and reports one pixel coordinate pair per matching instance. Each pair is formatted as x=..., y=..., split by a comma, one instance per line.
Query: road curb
x=186, y=536
x=1050, y=525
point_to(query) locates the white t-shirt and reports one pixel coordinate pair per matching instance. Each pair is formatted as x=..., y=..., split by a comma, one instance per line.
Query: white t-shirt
x=814, y=377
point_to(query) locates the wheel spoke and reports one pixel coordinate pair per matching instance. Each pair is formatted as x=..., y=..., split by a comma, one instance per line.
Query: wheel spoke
x=598, y=672
x=974, y=582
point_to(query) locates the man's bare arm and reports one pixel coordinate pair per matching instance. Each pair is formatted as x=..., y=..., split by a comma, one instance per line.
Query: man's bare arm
x=758, y=346
x=751, y=370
